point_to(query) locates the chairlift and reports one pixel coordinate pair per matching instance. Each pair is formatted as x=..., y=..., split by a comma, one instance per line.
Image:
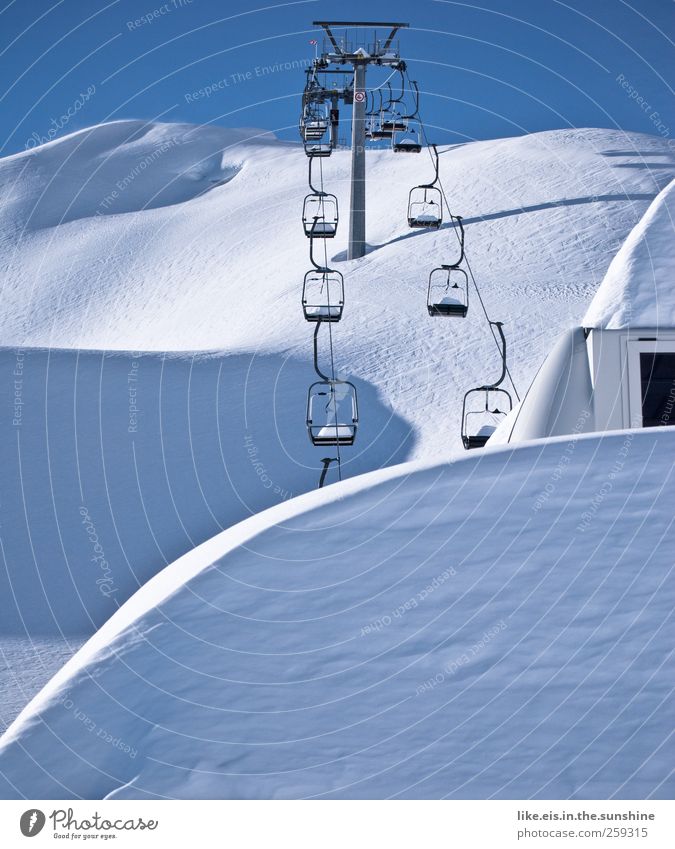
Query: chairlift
x=319, y=212
x=481, y=414
x=408, y=138
x=374, y=127
x=316, y=130
x=394, y=121
x=320, y=145
x=332, y=413
x=323, y=295
x=484, y=408
x=378, y=133
x=448, y=292
x=425, y=203
x=332, y=408
x=370, y=114
x=314, y=121
x=425, y=207
x=320, y=215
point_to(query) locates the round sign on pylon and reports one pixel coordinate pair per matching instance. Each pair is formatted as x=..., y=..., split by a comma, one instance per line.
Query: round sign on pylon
x=359, y=96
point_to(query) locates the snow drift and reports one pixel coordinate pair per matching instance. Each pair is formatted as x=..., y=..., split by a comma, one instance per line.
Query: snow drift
x=116, y=464
x=638, y=288
x=501, y=626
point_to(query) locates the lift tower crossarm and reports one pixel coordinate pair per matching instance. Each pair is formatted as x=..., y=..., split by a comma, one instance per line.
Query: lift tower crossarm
x=392, y=26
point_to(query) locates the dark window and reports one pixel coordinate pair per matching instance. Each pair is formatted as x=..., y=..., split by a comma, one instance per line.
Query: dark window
x=657, y=378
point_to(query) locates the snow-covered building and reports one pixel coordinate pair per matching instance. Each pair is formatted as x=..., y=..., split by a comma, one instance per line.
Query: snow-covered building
x=617, y=370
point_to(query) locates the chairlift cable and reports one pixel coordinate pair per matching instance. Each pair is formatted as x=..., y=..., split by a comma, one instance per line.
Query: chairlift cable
x=376, y=88
x=330, y=341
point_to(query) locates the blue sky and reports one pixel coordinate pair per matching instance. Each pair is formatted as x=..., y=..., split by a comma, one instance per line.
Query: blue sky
x=489, y=70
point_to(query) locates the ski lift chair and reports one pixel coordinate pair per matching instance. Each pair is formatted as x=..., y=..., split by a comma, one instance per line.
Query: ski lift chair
x=482, y=411
x=393, y=118
x=425, y=203
x=314, y=129
x=425, y=207
x=374, y=128
x=320, y=215
x=323, y=295
x=485, y=407
x=319, y=147
x=407, y=140
x=394, y=123
x=448, y=293
x=319, y=143
x=371, y=116
x=378, y=132
x=313, y=125
x=332, y=413
x=314, y=121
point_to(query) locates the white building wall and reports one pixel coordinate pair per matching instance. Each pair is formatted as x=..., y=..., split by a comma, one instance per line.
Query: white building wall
x=614, y=357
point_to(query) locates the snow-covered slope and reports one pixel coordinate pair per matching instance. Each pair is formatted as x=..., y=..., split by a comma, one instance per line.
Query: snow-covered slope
x=128, y=240
x=172, y=237
x=142, y=237
x=638, y=288
x=158, y=362
x=122, y=462
x=501, y=626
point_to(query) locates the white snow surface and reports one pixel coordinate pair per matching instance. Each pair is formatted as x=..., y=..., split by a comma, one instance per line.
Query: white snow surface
x=638, y=289
x=481, y=628
x=25, y=665
x=157, y=358
x=138, y=237
x=152, y=277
